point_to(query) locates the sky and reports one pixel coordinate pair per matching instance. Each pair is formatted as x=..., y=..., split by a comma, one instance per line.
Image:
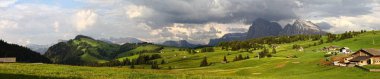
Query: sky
x=49, y=21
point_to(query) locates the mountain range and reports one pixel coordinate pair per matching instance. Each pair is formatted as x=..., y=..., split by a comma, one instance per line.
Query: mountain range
x=38, y=48
x=121, y=41
x=180, y=43
x=264, y=28
x=228, y=37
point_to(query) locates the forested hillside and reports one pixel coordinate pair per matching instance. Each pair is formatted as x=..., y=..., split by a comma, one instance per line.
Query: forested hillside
x=21, y=53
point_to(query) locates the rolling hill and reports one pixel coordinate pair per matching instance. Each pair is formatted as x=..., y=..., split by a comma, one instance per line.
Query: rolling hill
x=287, y=63
x=86, y=50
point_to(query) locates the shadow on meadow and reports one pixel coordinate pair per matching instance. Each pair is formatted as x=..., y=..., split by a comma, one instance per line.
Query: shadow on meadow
x=22, y=76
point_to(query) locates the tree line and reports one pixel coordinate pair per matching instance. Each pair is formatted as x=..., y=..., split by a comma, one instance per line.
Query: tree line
x=21, y=53
x=259, y=43
x=140, y=60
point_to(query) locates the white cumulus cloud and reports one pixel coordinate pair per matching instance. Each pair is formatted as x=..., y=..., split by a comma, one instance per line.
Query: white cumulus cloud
x=5, y=24
x=6, y=3
x=134, y=11
x=56, y=26
x=85, y=18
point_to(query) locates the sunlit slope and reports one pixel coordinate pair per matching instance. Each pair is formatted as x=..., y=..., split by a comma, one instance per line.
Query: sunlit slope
x=306, y=65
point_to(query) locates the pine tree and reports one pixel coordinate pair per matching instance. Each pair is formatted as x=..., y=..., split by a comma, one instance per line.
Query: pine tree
x=225, y=59
x=127, y=62
x=373, y=39
x=154, y=65
x=236, y=58
x=247, y=57
x=240, y=57
x=163, y=61
x=170, y=67
x=264, y=53
x=204, y=62
x=274, y=50
x=132, y=66
x=321, y=41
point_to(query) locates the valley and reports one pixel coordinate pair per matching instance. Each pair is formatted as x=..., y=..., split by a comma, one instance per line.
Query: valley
x=307, y=64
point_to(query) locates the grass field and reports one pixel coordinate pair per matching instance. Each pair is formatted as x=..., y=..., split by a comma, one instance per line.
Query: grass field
x=307, y=65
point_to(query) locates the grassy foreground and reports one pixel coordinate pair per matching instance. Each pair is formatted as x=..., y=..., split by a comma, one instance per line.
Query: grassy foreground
x=307, y=65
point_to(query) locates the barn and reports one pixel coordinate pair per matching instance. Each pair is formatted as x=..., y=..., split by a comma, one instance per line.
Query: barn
x=8, y=60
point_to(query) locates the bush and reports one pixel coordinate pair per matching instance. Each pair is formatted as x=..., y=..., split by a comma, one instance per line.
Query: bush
x=327, y=55
x=204, y=62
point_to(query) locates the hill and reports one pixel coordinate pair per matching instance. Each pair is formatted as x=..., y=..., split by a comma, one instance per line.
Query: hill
x=84, y=50
x=22, y=54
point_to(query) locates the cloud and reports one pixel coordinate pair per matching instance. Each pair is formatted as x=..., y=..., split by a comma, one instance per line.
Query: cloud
x=168, y=12
x=36, y=22
x=220, y=11
x=334, y=8
x=195, y=33
x=324, y=25
x=6, y=3
x=134, y=11
x=99, y=1
x=342, y=24
x=158, y=20
x=56, y=26
x=84, y=19
x=7, y=24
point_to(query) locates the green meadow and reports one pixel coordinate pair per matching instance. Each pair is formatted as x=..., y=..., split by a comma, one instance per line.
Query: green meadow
x=306, y=65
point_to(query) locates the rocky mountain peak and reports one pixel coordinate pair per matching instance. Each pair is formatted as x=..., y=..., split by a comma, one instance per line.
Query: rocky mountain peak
x=301, y=27
x=306, y=25
x=262, y=28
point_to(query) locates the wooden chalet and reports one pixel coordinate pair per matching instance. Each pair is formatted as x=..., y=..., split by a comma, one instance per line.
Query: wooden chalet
x=365, y=57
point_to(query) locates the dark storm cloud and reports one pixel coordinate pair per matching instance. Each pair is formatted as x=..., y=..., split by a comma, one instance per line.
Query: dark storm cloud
x=228, y=11
x=151, y=19
x=238, y=29
x=324, y=25
x=221, y=11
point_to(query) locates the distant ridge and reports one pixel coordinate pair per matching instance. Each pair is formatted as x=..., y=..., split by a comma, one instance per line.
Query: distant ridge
x=180, y=43
x=121, y=41
x=228, y=37
x=264, y=28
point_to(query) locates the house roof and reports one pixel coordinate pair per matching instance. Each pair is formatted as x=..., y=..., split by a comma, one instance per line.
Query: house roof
x=374, y=52
x=360, y=58
x=334, y=47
